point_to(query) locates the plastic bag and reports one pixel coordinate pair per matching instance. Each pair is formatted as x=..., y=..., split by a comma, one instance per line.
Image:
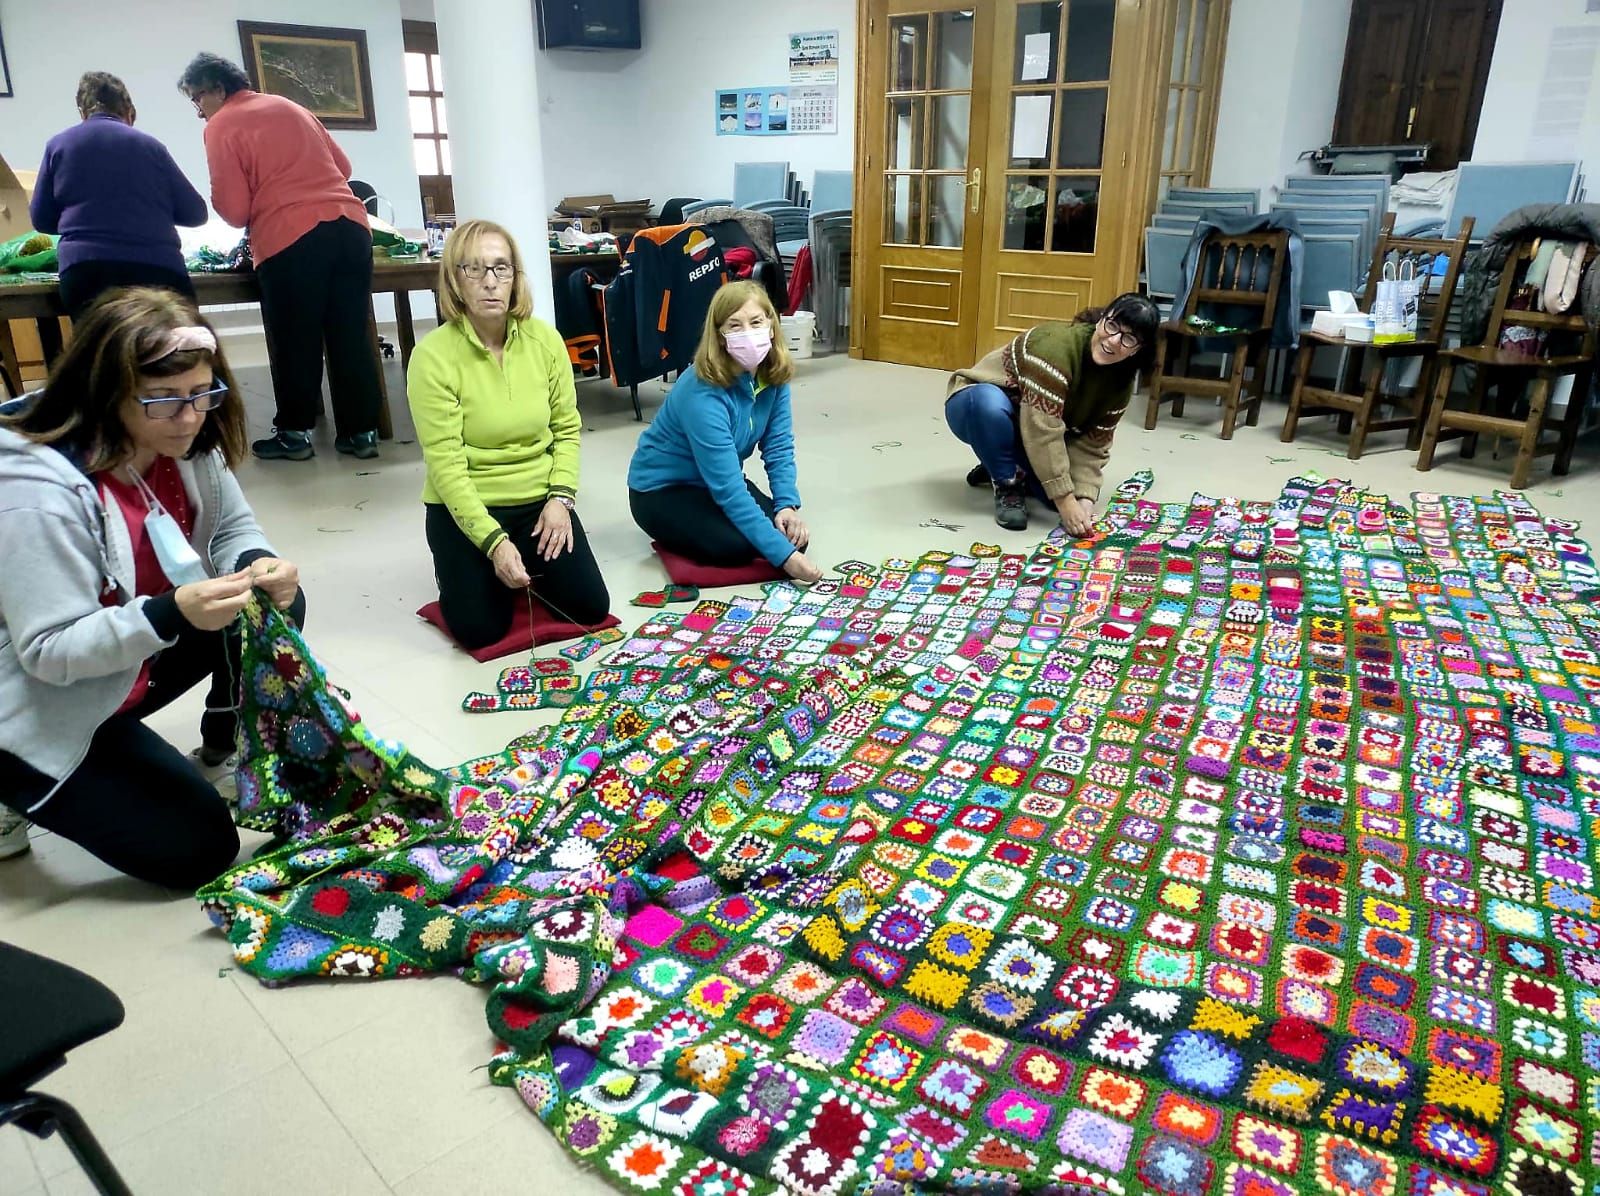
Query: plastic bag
x=1394, y=311
x=30, y=253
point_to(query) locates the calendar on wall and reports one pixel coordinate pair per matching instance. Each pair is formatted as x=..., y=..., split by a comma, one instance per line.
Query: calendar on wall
x=776, y=111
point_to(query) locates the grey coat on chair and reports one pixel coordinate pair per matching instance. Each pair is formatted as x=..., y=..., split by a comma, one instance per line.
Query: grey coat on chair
x=1564, y=221
x=1286, y=320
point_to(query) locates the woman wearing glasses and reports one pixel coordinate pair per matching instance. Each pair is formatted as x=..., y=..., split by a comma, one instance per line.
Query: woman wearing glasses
x=128, y=551
x=496, y=411
x=1040, y=412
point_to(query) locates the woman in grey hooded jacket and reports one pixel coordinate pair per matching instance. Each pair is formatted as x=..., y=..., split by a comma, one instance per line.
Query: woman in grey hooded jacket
x=126, y=551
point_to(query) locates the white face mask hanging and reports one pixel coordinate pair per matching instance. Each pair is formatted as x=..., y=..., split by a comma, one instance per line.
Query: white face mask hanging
x=177, y=557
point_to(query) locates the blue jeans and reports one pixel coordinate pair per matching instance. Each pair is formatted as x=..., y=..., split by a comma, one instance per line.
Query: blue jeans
x=984, y=418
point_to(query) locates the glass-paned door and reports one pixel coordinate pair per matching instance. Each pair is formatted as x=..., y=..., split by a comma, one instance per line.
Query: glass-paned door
x=923, y=184
x=1065, y=92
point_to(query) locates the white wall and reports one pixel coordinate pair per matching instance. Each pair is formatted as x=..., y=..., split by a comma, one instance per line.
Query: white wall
x=147, y=43
x=1506, y=130
x=641, y=124
x=1280, y=88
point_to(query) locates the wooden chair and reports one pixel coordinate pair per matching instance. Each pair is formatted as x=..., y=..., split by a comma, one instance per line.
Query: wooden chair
x=1369, y=362
x=1237, y=272
x=1570, y=349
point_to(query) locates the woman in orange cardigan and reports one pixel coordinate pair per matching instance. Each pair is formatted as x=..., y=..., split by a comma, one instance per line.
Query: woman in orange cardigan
x=276, y=172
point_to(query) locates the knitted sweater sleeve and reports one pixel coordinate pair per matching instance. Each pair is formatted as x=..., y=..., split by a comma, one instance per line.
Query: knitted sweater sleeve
x=1089, y=452
x=1039, y=414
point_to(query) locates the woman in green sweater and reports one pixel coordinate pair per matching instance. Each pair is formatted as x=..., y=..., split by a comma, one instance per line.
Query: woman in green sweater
x=1040, y=411
x=496, y=412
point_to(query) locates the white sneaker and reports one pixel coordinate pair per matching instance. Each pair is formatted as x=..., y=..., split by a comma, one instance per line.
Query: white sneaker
x=218, y=771
x=13, y=834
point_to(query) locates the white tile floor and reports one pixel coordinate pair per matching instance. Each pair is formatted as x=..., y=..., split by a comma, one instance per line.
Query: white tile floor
x=215, y=1084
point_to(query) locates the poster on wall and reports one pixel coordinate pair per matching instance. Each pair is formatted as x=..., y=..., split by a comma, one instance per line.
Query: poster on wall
x=814, y=57
x=775, y=111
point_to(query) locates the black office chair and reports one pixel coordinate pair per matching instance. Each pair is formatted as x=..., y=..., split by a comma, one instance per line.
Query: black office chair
x=47, y=1009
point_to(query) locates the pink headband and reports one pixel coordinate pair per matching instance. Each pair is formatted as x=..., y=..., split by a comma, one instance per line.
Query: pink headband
x=190, y=336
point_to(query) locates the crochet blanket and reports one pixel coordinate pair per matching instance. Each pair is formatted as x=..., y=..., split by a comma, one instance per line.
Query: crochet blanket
x=1245, y=848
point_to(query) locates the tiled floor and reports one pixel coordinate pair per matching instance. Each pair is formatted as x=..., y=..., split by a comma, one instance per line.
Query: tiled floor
x=218, y=1085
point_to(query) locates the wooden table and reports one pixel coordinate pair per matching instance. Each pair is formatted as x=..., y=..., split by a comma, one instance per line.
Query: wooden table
x=40, y=301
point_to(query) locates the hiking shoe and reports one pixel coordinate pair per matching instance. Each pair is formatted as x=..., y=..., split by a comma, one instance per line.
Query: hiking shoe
x=13, y=833
x=363, y=446
x=217, y=766
x=978, y=476
x=1011, y=507
x=284, y=446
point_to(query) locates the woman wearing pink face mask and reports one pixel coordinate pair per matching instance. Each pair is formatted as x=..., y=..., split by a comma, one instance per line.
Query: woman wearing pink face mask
x=686, y=484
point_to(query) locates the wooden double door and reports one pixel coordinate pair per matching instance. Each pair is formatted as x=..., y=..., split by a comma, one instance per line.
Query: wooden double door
x=1006, y=158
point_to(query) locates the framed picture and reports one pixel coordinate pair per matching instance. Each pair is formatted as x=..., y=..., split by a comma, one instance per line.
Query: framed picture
x=324, y=70
x=5, y=71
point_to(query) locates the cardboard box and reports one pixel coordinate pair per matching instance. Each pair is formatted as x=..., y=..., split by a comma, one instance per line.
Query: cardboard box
x=16, y=188
x=587, y=224
x=605, y=213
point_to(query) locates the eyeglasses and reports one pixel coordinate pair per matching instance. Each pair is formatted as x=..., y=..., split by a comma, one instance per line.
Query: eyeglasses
x=504, y=271
x=1116, y=336
x=167, y=407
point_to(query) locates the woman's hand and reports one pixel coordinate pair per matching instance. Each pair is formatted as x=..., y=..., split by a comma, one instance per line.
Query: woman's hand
x=788, y=522
x=554, y=529
x=277, y=578
x=508, y=566
x=212, y=605
x=799, y=567
x=1077, y=515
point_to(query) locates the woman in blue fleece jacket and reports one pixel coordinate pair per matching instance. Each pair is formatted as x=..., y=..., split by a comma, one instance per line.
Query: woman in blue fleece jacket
x=686, y=484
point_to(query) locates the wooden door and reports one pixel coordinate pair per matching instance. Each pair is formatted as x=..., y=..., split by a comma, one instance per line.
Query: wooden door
x=1415, y=71
x=1066, y=169
x=1006, y=168
x=925, y=110
x=1375, y=93
x=1453, y=68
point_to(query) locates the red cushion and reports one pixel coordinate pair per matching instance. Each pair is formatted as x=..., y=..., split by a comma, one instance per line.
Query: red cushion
x=546, y=629
x=708, y=577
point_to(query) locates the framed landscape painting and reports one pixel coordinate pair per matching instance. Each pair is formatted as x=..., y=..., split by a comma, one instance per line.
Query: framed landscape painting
x=322, y=69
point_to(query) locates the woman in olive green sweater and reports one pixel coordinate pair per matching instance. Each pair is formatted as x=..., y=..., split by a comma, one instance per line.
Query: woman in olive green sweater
x=496, y=412
x=1040, y=412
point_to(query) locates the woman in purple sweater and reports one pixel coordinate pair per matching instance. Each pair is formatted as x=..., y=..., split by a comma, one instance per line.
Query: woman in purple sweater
x=115, y=195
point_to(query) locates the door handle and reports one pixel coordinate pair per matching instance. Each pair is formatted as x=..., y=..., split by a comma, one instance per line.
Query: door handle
x=975, y=189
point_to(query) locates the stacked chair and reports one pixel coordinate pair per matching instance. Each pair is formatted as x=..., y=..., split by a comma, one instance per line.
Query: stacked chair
x=1172, y=227
x=1437, y=263
x=830, y=284
x=1567, y=348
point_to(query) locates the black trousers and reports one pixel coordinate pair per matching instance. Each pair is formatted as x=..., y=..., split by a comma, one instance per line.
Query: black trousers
x=478, y=606
x=136, y=802
x=317, y=294
x=83, y=283
x=688, y=520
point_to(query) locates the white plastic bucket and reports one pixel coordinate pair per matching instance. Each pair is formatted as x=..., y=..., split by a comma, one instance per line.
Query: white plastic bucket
x=798, y=331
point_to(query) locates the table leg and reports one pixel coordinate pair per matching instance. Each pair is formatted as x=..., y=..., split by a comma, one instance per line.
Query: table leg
x=403, y=326
x=385, y=424
x=49, y=338
x=10, y=366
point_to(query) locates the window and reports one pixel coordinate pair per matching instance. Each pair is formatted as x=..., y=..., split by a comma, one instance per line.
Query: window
x=1197, y=34
x=425, y=88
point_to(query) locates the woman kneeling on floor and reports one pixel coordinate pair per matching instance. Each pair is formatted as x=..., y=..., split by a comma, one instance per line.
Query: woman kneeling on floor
x=129, y=550
x=686, y=484
x=1040, y=412
x=496, y=410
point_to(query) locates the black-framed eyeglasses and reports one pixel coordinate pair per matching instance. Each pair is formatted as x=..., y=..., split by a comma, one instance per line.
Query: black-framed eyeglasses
x=1115, y=335
x=169, y=407
x=504, y=271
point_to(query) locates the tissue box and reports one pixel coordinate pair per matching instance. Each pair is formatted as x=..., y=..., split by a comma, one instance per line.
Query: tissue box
x=1360, y=332
x=1330, y=323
